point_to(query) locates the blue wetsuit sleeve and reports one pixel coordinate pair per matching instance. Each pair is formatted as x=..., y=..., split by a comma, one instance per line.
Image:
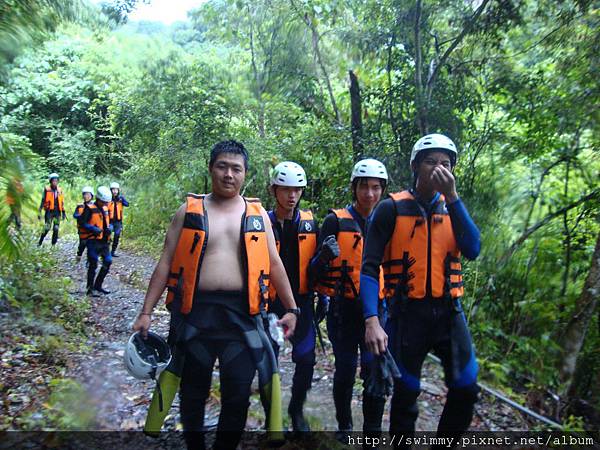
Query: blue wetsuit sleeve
x=125, y=202
x=379, y=232
x=76, y=215
x=369, y=295
x=467, y=234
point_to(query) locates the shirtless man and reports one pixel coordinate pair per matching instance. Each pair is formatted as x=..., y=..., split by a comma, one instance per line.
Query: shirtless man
x=214, y=280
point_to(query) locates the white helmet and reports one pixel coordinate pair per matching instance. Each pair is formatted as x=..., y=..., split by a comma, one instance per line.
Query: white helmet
x=115, y=185
x=146, y=358
x=104, y=194
x=53, y=175
x=288, y=173
x=88, y=189
x=369, y=168
x=434, y=142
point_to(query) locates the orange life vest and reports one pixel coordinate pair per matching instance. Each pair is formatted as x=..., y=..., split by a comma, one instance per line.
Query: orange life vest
x=116, y=211
x=414, y=241
x=99, y=218
x=343, y=272
x=187, y=260
x=49, y=199
x=307, y=244
x=83, y=233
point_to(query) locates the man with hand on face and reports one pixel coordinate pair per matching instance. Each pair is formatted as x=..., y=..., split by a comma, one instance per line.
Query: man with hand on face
x=337, y=270
x=218, y=258
x=296, y=236
x=116, y=214
x=418, y=236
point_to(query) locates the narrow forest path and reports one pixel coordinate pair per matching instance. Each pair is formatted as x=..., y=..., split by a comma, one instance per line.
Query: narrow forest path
x=121, y=401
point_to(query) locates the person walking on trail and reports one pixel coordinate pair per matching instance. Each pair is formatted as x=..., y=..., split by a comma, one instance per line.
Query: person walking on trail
x=88, y=195
x=337, y=269
x=418, y=236
x=217, y=279
x=295, y=233
x=96, y=221
x=116, y=214
x=53, y=204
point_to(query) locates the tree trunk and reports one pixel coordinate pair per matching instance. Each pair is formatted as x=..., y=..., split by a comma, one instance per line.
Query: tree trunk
x=419, y=88
x=315, y=41
x=578, y=325
x=355, y=104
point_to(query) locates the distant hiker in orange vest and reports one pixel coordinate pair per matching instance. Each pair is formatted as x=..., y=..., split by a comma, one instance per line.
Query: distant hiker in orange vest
x=95, y=219
x=218, y=258
x=88, y=195
x=418, y=236
x=116, y=214
x=337, y=267
x=296, y=236
x=53, y=203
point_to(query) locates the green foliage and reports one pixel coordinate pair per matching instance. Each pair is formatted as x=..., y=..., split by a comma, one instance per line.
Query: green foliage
x=15, y=158
x=69, y=407
x=32, y=286
x=514, y=83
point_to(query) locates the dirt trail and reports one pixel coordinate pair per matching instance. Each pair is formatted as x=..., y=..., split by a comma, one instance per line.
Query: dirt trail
x=121, y=401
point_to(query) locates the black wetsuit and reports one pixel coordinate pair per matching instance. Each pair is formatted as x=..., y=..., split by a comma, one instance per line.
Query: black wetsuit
x=205, y=335
x=423, y=325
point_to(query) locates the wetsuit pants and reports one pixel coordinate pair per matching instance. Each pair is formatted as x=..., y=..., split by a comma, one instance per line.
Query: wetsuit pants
x=81, y=247
x=303, y=345
x=117, y=228
x=97, y=249
x=416, y=328
x=51, y=220
x=346, y=331
x=236, y=370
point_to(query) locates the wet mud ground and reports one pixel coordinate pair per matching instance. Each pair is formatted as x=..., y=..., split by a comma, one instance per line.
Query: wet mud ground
x=120, y=401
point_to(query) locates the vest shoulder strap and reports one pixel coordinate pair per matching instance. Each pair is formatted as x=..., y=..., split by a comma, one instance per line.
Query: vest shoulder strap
x=342, y=213
x=253, y=207
x=346, y=222
x=195, y=204
x=403, y=195
x=306, y=215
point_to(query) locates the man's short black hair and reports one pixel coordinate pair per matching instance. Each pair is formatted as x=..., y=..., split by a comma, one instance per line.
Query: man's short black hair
x=231, y=146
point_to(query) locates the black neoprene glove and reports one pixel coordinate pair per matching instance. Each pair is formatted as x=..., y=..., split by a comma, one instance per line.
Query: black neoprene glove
x=329, y=249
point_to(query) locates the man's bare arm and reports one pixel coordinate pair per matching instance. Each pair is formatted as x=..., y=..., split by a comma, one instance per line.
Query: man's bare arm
x=158, y=280
x=277, y=274
x=280, y=281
